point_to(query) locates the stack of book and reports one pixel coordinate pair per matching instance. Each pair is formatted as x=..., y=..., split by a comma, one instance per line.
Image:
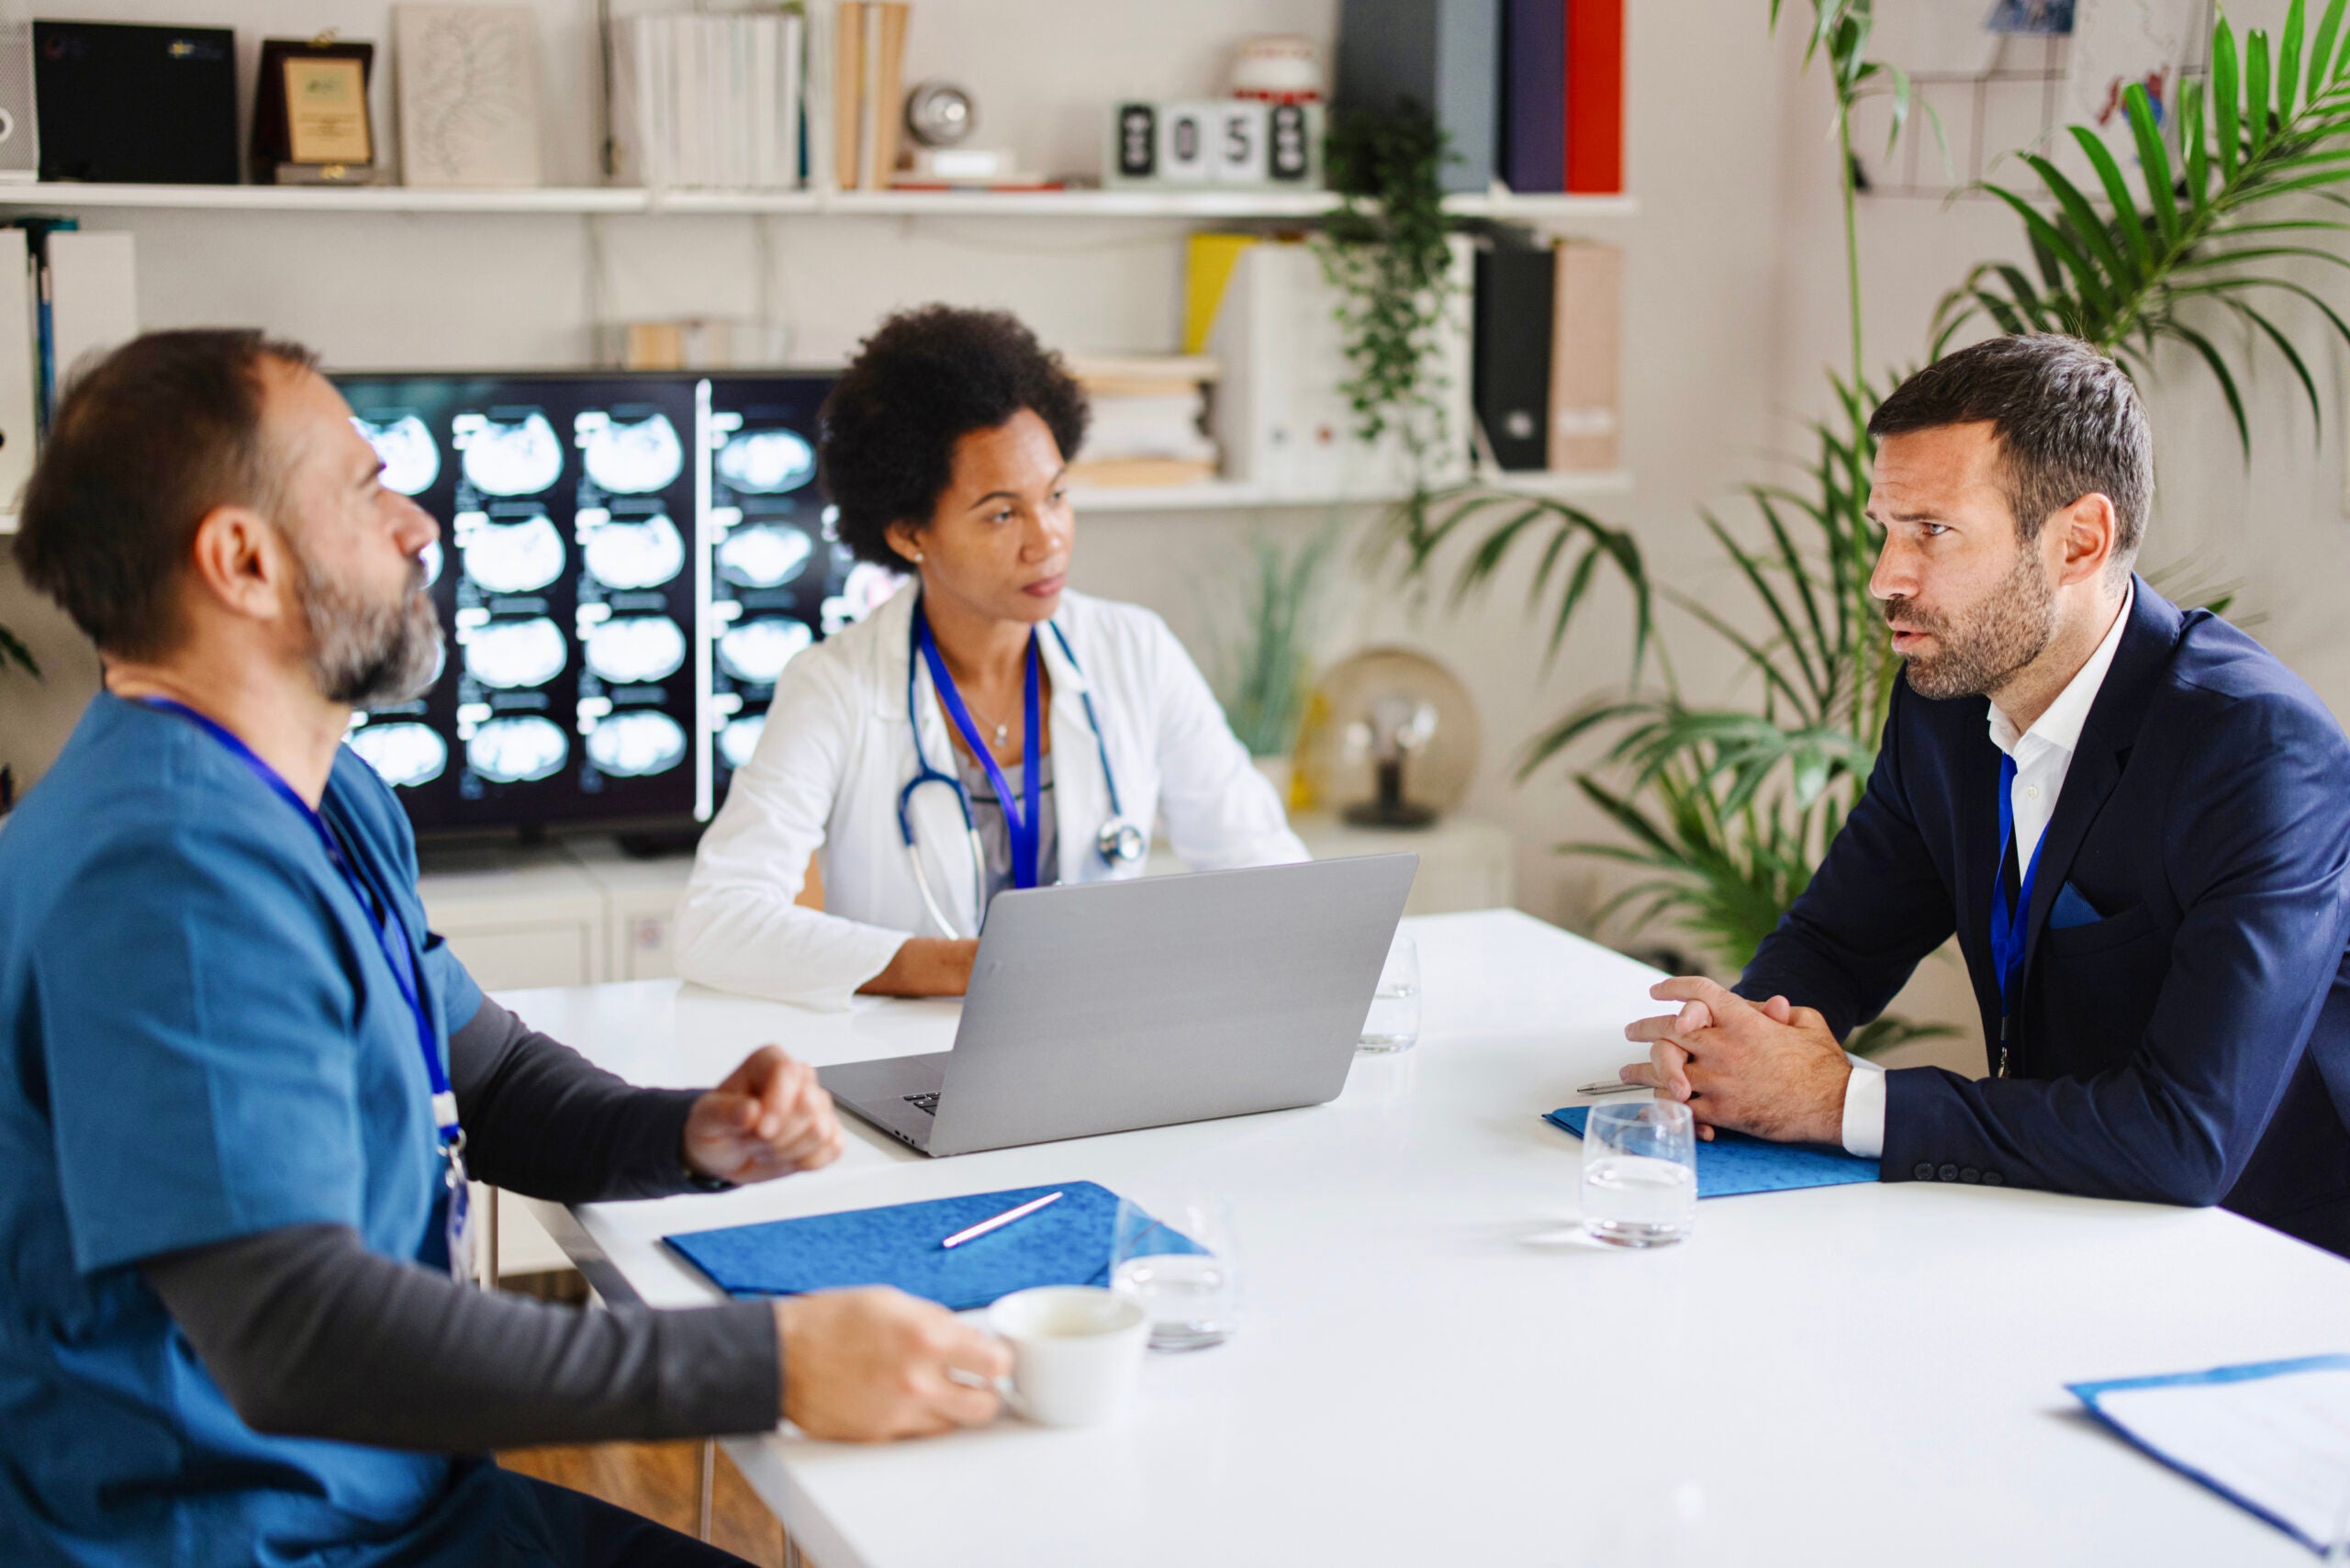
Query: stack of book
x=709, y=100
x=1147, y=421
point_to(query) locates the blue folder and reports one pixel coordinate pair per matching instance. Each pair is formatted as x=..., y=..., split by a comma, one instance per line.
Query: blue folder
x=2092, y=1395
x=1734, y=1163
x=1065, y=1243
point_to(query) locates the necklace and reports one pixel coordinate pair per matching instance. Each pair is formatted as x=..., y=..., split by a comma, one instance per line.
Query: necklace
x=1002, y=731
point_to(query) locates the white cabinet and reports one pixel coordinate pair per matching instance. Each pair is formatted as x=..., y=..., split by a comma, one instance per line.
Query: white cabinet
x=640, y=907
x=1464, y=863
x=518, y=917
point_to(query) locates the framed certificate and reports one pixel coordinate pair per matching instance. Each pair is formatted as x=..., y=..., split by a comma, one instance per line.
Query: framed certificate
x=310, y=120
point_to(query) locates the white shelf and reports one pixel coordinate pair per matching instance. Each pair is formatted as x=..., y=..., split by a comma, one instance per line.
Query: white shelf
x=323, y=198
x=624, y=200
x=1228, y=494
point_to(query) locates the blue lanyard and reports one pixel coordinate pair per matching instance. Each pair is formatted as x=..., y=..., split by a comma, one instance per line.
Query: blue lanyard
x=397, y=951
x=1023, y=823
x=2008, y=930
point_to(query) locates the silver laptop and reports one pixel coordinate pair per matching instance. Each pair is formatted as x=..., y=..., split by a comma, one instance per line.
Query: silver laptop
x=1109, y=1005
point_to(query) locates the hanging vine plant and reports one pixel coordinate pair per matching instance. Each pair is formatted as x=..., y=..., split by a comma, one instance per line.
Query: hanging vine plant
x=1387, y=251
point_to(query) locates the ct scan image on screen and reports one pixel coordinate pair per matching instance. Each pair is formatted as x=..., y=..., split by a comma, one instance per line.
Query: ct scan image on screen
x=627, y=563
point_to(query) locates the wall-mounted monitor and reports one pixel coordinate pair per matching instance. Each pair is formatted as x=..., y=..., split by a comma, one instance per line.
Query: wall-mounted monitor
x=627, y=563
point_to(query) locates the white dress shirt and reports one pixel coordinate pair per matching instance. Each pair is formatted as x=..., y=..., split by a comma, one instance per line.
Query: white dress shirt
x=2044, y=756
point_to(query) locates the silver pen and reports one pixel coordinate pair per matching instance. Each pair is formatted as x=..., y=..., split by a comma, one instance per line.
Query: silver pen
x=1608, y=1086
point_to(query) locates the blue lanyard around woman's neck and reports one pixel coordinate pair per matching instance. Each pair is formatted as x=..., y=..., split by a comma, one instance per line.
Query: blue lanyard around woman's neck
x=393, y=938
x=1024, y=824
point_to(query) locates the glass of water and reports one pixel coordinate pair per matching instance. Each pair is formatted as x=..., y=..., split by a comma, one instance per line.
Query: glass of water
x=1393, y=1022
x=1640, y=1174
x=1175, y=1255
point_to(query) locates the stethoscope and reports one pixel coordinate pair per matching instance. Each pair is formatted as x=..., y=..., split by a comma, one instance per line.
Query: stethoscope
x=1119, y=842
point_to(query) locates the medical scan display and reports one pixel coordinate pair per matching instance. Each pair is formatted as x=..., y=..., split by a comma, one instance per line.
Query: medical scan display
x=628, y=563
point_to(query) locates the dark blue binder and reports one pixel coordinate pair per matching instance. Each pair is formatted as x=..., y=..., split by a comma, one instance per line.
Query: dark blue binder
x=1067, y=1243
x=1534, y=96
x=1734, y=1163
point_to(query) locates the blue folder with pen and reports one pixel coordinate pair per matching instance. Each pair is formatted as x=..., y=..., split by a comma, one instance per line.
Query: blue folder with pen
x=1734, y=1163
x=1065, y=1243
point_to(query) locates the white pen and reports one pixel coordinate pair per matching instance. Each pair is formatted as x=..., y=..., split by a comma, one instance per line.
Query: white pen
x=1006, y=1217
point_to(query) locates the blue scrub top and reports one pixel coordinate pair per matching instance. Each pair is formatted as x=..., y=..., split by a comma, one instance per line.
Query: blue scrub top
x=203, y=1040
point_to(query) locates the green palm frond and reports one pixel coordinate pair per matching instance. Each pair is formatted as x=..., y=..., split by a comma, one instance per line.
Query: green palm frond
x=2131, y=265
x=1573, y=546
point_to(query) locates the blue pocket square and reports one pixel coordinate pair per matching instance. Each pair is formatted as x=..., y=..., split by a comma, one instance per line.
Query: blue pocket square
x=2071, y=909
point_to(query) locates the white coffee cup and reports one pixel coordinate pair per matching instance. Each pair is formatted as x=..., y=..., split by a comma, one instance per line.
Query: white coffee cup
x=1076, y=1352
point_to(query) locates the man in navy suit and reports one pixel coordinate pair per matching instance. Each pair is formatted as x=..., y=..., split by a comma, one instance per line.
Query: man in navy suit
x=2134, y=818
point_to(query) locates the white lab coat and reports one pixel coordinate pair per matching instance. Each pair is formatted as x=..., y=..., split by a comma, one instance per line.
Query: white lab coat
x=838, y=751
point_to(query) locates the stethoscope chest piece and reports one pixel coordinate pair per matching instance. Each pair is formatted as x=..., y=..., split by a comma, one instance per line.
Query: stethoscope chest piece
x=1120, y=842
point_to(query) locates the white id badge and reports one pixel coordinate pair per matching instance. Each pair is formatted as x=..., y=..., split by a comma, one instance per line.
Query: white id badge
x=459, y=1214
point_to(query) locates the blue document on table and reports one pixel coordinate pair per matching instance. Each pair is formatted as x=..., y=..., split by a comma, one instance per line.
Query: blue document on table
x=1734, y=1163
x=2271, y=1437
x=1065, y=1243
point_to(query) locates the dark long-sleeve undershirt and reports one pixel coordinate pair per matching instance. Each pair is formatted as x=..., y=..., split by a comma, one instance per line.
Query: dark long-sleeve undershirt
x=310, y=1334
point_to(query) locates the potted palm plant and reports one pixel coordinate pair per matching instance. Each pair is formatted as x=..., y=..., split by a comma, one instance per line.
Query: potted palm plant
x=1724, y=811
x=1265, y=664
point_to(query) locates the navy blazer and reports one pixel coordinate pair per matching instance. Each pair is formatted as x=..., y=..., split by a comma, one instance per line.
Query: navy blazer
x=2192, y=1046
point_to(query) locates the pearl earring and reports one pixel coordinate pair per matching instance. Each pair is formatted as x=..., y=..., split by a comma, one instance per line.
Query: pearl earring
x=917, y=557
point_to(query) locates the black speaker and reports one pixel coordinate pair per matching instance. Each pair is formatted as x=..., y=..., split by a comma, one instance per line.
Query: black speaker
x=125, y=105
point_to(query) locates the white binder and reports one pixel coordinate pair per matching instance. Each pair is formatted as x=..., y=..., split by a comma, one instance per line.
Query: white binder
x=19, y=369
x=92, y=289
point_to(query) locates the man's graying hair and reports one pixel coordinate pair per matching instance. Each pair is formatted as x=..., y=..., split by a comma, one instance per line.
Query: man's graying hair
x=2066, y=419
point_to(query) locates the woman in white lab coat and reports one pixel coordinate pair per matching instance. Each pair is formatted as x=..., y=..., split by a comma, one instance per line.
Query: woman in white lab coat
x=889, y=749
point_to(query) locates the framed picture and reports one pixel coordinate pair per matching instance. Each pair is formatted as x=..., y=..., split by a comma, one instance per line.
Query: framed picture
x=468, y=94
x=310, y=119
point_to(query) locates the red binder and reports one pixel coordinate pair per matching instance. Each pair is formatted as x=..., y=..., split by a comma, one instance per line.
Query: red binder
x=1596, y=96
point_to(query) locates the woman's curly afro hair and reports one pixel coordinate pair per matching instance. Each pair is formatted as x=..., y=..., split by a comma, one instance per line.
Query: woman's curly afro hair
x=927, y=378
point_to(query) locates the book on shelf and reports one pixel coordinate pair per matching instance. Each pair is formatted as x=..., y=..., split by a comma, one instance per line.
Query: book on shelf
x=1139, y=473
x=1586, y=358
x=1560, y=123
x=1444, y=55
x=868, y=91
x=1147, y=419
x=1515, y=286
x=707, y=101
x=1533, y=155
x=1595, y=92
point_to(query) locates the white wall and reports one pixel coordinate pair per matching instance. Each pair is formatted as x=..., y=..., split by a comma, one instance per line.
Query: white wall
x=483, y=291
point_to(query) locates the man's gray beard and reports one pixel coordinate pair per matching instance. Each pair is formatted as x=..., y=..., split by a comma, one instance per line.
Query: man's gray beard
x=1989, y=641
x=369, y=655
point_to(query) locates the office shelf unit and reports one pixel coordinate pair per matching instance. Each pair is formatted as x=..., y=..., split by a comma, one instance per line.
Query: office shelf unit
x=631, y=201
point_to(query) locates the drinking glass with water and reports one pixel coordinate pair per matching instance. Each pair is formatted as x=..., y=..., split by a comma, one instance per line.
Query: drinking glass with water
x=1393, y=1022
x=1640, y=1174
x=1173, y=1252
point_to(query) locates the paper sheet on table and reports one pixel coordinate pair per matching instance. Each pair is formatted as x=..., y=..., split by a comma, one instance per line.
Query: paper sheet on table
x=2273, y=1437
x=1733, y=1163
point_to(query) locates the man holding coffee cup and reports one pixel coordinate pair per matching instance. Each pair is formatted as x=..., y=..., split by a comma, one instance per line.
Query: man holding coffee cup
x=244, y=1081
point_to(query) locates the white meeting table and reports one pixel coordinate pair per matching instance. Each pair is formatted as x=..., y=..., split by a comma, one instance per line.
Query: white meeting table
x=1435, y=1367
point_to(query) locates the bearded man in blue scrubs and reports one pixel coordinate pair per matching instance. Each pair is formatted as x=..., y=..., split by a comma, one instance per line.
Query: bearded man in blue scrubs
x=239, y=1069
